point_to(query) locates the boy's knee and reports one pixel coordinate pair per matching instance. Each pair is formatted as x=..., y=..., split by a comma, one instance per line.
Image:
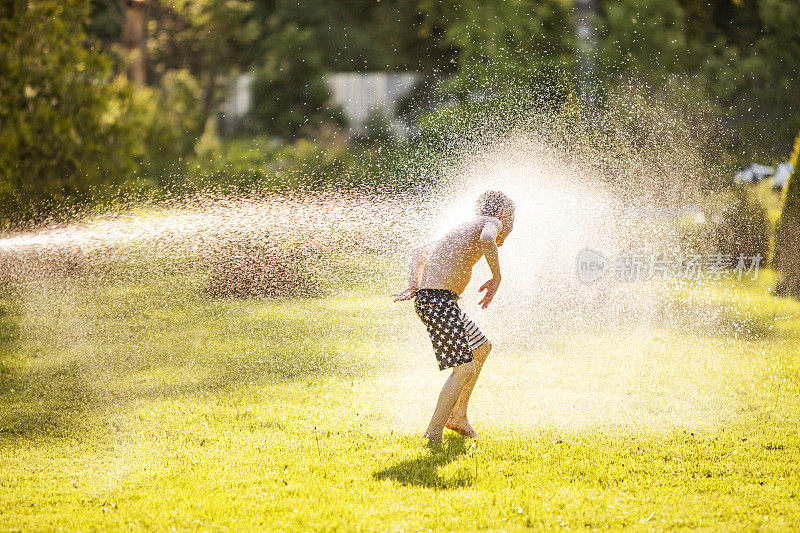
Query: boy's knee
x=482, y=352
x=464, y=371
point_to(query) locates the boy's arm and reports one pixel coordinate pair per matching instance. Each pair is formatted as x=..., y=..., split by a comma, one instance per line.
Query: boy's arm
x=488, y=238
x=417, y=264
x=419, y=256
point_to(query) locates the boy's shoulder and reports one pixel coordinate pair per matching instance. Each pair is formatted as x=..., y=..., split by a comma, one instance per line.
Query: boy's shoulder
x=487, y=218
x=483, y=220
x=466, y=231
x=477, y=223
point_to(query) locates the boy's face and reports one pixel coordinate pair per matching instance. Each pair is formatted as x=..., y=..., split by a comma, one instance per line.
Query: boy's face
x=507, y=218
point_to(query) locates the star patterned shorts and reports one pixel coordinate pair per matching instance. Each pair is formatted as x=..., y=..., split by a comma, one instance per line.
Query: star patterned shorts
x=453, y=335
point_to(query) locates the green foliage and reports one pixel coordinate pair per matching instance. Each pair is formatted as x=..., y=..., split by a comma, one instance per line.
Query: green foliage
x=513, y=67
x=377, y=128
x=512, y=57
x=210, y=39
x=736, y=223
x=64, y=133
x=261, y=163
x=288, y=44
x=738, y=60
x=768, y=80
x=742, y=227
x=646, y=40
x=289, y=93
x=70, y=131
x=786, y=248
x=171, y=122
x=495, y=35
x=790, y=196
x=358, y=34
x=735, y=55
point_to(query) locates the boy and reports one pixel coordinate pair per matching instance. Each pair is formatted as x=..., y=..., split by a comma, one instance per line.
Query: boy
x=439, y=273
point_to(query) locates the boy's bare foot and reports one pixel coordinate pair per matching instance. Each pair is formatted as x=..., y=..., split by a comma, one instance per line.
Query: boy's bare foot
x=432, y=442
x=461, y=426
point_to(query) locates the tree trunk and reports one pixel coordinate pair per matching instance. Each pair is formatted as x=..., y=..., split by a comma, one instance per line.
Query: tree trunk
x=210, y=93
x=133, y=37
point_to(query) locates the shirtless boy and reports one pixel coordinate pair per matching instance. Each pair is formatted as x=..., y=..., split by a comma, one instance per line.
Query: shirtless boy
x=439, y=273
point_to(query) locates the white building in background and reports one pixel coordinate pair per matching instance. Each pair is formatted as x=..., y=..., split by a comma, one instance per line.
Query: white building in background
x=360, y=94
x=782, y=173
x=753, y=173
x=237, y=103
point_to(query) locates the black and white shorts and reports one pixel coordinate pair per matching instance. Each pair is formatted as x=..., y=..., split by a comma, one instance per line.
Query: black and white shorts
x=453, y=335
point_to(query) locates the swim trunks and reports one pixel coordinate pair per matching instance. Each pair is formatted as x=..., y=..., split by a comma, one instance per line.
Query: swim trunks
x=453, y=335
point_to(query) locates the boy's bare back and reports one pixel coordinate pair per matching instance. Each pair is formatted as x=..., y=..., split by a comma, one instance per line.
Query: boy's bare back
x=446, y=264
x=450, y=259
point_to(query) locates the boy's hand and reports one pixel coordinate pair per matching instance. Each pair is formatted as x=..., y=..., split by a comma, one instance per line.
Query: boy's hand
x=491, y=288
x=407, y=294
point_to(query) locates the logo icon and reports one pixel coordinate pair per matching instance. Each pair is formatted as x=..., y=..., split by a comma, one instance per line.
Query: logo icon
x=591, y=265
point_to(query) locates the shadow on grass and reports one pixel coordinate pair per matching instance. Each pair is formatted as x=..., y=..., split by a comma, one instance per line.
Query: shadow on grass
x=62, y=399
x=68, y=355
x=423, y=470
x=9, y=333
x=46, y=403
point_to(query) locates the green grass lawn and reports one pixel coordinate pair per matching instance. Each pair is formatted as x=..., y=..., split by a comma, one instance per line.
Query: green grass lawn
x=139, y=406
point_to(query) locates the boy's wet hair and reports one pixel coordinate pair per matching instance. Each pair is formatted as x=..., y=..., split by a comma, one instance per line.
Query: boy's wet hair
x=493, y=203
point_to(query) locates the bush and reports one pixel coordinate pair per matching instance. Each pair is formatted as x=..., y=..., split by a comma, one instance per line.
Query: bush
x=262, y=164
x=64, y=135
x=290, y=95
x=170, y=121
x=742, y=227
x=736, y=223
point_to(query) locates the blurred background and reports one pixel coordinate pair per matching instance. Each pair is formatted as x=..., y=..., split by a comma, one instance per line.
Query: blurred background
x=101, y=97
x=108, y=102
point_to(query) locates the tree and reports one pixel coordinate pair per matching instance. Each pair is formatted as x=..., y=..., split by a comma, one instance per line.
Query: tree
x=300, y=41
x=289, y=92
x=211, y=39
x=514, y=61
x=504, y=44
x=742, y=58
x=64, y=131
x=786, y=247
x=646, y=40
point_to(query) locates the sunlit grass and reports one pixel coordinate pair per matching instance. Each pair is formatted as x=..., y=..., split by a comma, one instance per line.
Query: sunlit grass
x=146, y=406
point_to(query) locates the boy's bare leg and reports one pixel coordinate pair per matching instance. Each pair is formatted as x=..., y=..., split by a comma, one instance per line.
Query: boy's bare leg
x=458, y=417
x=451, y=391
